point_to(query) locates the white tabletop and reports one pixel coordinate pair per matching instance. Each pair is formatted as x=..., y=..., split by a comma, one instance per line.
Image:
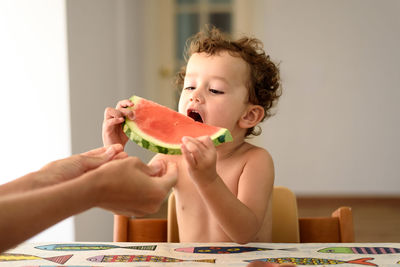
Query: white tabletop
x=199, y=254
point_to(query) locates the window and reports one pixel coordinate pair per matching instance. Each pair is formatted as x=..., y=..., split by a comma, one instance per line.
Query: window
x=193, y=15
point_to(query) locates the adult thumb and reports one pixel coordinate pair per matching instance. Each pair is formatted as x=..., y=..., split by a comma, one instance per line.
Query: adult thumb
x=170, y=177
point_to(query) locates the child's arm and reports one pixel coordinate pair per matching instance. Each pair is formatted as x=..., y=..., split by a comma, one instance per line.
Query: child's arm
x=112, y=125
x=234, y=213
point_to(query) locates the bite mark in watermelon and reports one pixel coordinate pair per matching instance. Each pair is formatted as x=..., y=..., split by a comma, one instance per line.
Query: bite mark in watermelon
x=160, y=129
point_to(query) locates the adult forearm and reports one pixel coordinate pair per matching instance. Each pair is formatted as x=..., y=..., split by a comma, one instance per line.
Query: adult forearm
x=30, y=181
x=234, y=217
x=25, y=214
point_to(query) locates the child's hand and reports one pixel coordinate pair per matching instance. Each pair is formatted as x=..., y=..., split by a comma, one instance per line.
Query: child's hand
x=113, y=118
x=201, y=158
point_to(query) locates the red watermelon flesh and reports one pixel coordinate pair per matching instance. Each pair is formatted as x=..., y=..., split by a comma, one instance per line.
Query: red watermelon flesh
x=161, y=129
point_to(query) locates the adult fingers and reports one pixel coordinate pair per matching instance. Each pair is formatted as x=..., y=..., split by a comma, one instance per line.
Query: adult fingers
x=98, y=151
x=121, y=155
x=149, y=170
x=90, y=162
x=95, y=151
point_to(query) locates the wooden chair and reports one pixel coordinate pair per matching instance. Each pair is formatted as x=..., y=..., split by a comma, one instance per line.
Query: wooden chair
x=147, y=230
x=286, y=226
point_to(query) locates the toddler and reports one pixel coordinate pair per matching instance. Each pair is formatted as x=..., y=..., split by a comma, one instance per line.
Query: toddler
x=223, y=193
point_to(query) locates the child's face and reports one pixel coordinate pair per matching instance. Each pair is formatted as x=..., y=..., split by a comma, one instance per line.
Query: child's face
x=214, y=90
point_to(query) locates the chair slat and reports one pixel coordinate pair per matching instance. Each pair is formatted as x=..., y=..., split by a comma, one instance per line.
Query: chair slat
x=147, y=230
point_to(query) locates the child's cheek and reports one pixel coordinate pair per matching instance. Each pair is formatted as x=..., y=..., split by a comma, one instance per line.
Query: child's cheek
x=181, y=107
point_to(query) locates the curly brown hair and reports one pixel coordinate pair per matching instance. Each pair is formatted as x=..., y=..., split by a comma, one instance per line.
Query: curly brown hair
x=264, y=85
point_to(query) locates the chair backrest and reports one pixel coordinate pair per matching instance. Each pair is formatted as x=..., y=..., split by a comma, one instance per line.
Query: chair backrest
x=287, y=227
x=139, y=230
x=285, y=219
x=128, y=229
x=335, y=229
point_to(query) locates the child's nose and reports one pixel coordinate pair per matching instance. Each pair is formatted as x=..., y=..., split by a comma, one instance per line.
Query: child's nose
x=197, y=97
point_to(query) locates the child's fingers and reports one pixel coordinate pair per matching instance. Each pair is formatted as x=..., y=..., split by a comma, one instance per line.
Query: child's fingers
x=206, y=141
x=114, y=121
x=127, y=113
x=188, y=156
x=194, y=146
x=110, y=113
x=189, y=144
x=197, y=142
x=124, y=104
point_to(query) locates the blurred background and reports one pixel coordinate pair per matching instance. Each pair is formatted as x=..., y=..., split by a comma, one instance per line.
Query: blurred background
x=335, y=135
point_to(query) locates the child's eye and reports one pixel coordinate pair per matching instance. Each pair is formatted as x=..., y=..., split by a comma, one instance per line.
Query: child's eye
x=190, y=88
x=217, y=92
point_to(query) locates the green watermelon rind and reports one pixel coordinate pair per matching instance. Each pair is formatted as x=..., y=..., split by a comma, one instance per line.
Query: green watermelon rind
x=142, y=139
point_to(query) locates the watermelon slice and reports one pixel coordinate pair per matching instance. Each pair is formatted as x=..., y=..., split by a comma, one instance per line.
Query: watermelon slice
x=160, y=129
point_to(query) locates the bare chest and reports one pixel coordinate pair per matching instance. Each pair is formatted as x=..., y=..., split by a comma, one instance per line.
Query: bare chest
x=229, y=173
x=194, y=219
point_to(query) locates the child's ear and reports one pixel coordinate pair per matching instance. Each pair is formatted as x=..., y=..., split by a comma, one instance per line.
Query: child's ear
x=253, y=115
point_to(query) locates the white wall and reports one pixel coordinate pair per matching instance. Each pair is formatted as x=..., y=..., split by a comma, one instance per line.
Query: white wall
x=337, y=126
x=106, y=65
x=34, y=98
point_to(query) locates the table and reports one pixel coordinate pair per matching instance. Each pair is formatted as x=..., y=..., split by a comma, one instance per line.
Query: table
x=199, y=254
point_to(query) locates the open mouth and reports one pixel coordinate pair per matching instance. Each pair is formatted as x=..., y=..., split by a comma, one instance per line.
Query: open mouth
x=195, y=115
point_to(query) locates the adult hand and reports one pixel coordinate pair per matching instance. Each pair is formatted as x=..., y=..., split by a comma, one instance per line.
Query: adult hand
x=129, y=187
x=76, y=165
x=112, y=125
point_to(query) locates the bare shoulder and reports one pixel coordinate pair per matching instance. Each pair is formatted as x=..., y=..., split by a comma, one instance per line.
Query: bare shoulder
x=258, y=165
x=256, y=154
x=257, y=178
